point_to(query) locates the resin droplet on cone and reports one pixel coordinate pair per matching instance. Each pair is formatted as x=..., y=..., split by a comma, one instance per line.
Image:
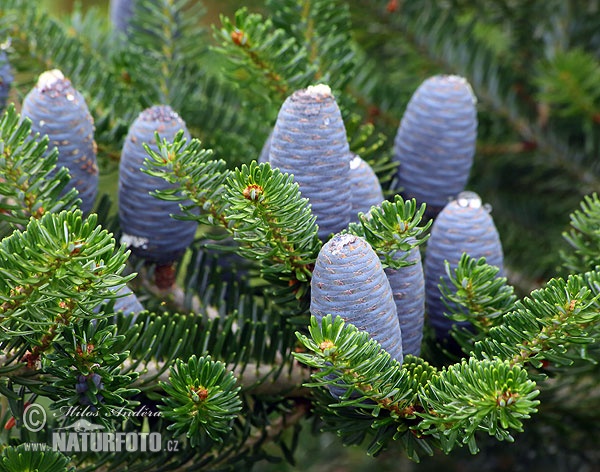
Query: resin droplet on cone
x=349, y=281
x=58, y=110
x=463, y=226
x=435, y=142
x=309, y=141
x=146, y=225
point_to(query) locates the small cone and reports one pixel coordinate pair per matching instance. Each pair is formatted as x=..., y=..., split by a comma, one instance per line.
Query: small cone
x=408, y=288
x=366, y=189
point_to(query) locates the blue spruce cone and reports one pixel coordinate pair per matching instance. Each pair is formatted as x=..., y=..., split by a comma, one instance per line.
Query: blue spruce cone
x=146, y=225
x=310, y=142
x=58, y=110
x=366, y=189
x=463, y=226
x=408, y=288
x=6, y=79
x=348, y=280
x=435, y=142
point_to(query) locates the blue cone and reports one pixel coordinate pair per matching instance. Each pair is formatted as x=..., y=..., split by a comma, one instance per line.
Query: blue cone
x=463, y=226
x=435, y=142
x=146, y=222
x=58, y=110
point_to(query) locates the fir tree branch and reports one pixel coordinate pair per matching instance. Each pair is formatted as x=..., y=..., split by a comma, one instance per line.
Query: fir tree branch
x=250, y=42
x=548, y=325
x=274, y=224
x=55, y=272
x=476, y=294
x=449, y=406
x=393, y=227
x=583, y=236
x=199, y=178
x=30, y=185
x=165, y=47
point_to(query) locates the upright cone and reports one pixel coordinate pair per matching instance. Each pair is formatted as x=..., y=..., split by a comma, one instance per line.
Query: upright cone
x=408, y=289
x=435, y=142
x=348, y=280
x=366, y=189
x=58, y=110
x=309, y=141
x=146, y=224
x=463, y=226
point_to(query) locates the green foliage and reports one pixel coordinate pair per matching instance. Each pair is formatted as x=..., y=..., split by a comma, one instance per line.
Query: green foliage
x=553, y=324
x=272, y=222
x=448, y=406
x=53, y=273
x=30, y=185
x=199, y=178
x=492, y=396
x=478, y=295
x=166, y=50
x=583, y=236
x=215, y=350
x=202, y=399
x=393, y=227
x=87, y=349
x=20, y=459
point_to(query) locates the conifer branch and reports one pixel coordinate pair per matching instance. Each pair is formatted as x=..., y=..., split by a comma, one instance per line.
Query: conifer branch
x=30, y=185
x=393, y=227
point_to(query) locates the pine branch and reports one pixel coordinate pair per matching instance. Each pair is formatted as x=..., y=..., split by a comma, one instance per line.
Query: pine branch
x=274, y=224
x=442, y=409
x=250, y=43
x=476, y=294
x=164, y=50
x=490, y=396
x=202, y=399
x=200, y=179
x=322, y=28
